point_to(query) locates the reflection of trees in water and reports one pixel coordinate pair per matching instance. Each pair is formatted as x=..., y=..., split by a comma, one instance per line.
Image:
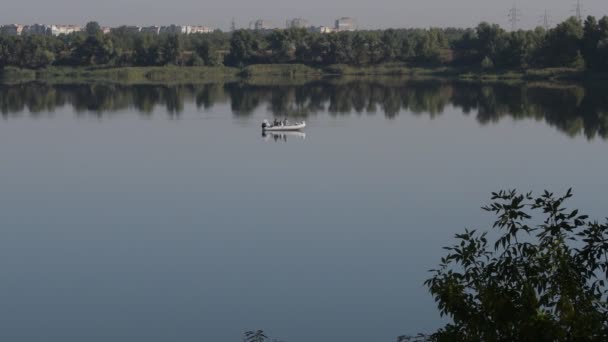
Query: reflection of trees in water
x=104, y=99
x=572, y=110
x=35, y=98
x=339, y=98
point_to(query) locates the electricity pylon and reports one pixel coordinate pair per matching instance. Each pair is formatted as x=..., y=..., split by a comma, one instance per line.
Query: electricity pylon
x=514, y=16
x=578, y=10
x=546, y=21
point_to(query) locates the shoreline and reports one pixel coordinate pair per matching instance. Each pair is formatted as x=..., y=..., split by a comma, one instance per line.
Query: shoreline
x=285, y=73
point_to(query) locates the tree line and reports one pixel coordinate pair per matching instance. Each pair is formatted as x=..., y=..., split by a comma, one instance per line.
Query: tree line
x=572, y=43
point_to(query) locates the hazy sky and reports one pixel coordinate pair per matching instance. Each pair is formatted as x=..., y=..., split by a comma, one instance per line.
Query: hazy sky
x=369, y=13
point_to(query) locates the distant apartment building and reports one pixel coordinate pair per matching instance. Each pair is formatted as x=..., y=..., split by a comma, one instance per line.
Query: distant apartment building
x=345, y=24
x=12, y=30
x=297, y=23
x=198, y=29
x=323, y=29
x=262, y=25
x=176, y=29
x=37, y=29
x=55, y=30
x=64, y=29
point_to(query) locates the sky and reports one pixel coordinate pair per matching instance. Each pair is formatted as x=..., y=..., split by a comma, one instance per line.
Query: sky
x=370, y=14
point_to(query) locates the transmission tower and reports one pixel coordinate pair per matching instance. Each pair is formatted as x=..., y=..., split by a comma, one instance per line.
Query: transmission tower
x=546, y=21
x=514, y=16
x=233, y=25
x=578, y=9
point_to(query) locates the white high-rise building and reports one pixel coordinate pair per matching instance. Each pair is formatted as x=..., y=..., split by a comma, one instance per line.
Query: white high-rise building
x=346, y=24
x=64, y=29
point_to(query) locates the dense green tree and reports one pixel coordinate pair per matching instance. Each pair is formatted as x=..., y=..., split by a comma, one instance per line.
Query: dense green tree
x=594, y=43
x=590, y=41
x=95, y=50
x=244, y=48
x=517, y=49
x=340, y=48
x=11, y=49
x=123, y=38
x=360, y=49
x=206, y=52
x=281, y=45
x=171, y=50
x=562, y=46
x=544, y=279
x=489, y=40
x=32, y=51
x=36, y=54
x=255, y=336
x=465, y=48
x=146, y=51
x=536, y=42
x=429, y=45
x=390, y=44
x=315, y=49
x=5, y=53
x=92, y=28
x=487, y=63
x=196, y=60
x=408, y=46
x=602, y=46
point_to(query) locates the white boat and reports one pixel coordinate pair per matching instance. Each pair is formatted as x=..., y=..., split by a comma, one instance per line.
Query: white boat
x=266, y=126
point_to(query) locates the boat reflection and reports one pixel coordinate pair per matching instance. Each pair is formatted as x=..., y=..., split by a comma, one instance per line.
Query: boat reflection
x=283, y=136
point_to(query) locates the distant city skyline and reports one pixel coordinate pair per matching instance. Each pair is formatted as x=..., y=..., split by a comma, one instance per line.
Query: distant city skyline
x=369, y=14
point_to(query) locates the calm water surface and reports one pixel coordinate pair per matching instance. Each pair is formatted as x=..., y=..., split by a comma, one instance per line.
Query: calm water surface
x=160, y=213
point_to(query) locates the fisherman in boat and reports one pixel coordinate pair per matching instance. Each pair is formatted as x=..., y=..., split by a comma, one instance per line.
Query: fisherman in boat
x=285, y=122
x=275, y=123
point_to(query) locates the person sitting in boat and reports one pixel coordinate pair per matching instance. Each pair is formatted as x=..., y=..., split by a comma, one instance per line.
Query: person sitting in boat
x=285, y=122
x=276, y=122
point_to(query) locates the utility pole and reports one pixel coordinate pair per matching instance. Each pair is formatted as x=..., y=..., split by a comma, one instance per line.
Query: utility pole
x=514, y=16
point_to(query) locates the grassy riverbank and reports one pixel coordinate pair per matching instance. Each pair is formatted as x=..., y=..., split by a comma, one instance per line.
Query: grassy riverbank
x=127, y=75
x=168, y=74
x=469, y=74
x=290, y=72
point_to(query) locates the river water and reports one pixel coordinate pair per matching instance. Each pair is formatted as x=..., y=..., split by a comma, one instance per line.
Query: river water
x=161, y=213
